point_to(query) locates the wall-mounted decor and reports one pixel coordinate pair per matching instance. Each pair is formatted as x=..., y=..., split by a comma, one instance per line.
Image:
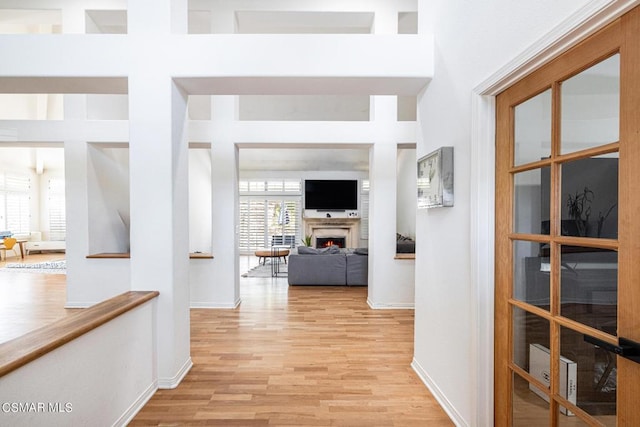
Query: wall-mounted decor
x=435, y=179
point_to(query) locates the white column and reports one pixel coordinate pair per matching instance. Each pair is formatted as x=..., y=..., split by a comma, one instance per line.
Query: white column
x=224, y=198
x=391, y=281
x=158, y=162
x=77, y=213
x=179, y=16
x=73, y=18
x=159, y=213
x=382, y=222
x=385, y=19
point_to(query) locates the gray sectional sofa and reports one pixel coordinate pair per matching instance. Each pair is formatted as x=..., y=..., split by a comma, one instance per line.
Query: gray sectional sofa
x=329, y=266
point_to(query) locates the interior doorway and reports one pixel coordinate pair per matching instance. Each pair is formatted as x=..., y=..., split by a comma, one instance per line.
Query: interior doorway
x=567, y=155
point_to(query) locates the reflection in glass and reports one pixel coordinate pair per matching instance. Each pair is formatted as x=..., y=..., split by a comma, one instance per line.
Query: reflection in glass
x=595, y=375
x=531, y=272
x=533, y=129
x=591, y=107
x=529, y=409
x=530, y=333
x=568, y=421
x=589, y=287
x=589, y=197
x=531, y=203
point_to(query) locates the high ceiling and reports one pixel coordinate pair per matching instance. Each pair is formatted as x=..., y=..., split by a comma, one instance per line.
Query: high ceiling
x=304, y=159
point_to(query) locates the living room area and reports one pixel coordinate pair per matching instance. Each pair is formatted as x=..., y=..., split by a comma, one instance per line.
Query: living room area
x=268, y=200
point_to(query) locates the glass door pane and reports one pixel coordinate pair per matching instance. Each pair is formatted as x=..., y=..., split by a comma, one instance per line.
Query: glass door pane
x=533, y=129
x=591, y=107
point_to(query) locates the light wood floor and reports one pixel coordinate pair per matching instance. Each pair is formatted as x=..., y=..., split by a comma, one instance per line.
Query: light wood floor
x=30, y=300
x=288, y=356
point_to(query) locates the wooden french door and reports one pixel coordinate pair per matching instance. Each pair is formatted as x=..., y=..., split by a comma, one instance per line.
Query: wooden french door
x=568, y=237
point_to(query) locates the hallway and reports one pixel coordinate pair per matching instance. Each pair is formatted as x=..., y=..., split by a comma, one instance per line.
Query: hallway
x=316, y=356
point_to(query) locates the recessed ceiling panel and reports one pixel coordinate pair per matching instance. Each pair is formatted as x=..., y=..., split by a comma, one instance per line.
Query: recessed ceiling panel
x=282, y=22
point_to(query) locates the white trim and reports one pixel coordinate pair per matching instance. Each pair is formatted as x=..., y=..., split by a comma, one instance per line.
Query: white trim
x=195, y=304
x=173, y=382
x=587, y=20
x=482, y=253
x=590, y=18
x=136, y=406
x=392, y=306
x=446, y=405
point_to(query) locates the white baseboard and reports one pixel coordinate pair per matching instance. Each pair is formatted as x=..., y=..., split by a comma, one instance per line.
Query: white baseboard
x=391, y=306
x=136, y=406
x=170, y=383
x=195, y=304
x=448, y=407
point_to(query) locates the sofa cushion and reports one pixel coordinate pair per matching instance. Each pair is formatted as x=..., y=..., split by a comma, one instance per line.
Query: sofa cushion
x=357, y=270
x=404, y=244
x=317, y=270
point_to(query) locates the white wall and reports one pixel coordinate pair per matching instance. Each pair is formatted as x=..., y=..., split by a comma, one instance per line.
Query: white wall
x=467, y=35
x=406, y=192
x=308, y=107
x=108, y=188
x=101, y=378
x=200, y=200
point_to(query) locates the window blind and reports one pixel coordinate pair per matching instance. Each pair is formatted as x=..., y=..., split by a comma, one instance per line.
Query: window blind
x=270, y=213
x=57, y=210
x=14, y=192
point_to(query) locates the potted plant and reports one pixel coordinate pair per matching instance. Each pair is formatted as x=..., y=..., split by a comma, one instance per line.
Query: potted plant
x=306, y=241
x=579, y=206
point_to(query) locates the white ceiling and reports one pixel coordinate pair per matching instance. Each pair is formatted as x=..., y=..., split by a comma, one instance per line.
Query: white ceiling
x=304, y=159
x=283, y=22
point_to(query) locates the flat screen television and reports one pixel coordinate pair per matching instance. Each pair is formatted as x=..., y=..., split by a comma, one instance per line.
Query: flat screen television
x=331, y=195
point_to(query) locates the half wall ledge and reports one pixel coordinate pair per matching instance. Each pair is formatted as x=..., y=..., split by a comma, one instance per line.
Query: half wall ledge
x=126, y=255
x=26, y=348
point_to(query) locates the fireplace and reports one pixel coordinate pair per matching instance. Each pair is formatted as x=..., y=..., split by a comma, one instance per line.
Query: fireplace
x=324, y=242
x=344, y=230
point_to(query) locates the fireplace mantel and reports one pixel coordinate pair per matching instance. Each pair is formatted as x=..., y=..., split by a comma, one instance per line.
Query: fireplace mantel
x=349, y=228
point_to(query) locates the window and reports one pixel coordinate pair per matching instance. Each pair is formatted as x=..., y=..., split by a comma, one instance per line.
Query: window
x=15, y=214
x=270, y=213
x=57, y=213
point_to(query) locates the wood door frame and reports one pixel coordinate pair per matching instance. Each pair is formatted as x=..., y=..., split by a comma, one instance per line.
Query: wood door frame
x=584, y=22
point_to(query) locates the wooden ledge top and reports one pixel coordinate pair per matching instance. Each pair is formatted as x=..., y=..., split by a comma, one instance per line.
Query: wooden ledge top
x=126, y=255
x=26, y=348
x=110, y=255
x=405, y=256
x=200, y=255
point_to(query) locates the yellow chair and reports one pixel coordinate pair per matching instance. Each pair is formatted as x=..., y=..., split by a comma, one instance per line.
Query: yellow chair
x=9, y=244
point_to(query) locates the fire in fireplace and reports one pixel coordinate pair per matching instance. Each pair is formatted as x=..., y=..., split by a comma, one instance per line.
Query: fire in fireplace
x=325, y=242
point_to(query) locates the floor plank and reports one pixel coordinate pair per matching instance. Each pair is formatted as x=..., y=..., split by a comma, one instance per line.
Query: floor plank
x=288, y=356
x=30, y=300
x=299, y=356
